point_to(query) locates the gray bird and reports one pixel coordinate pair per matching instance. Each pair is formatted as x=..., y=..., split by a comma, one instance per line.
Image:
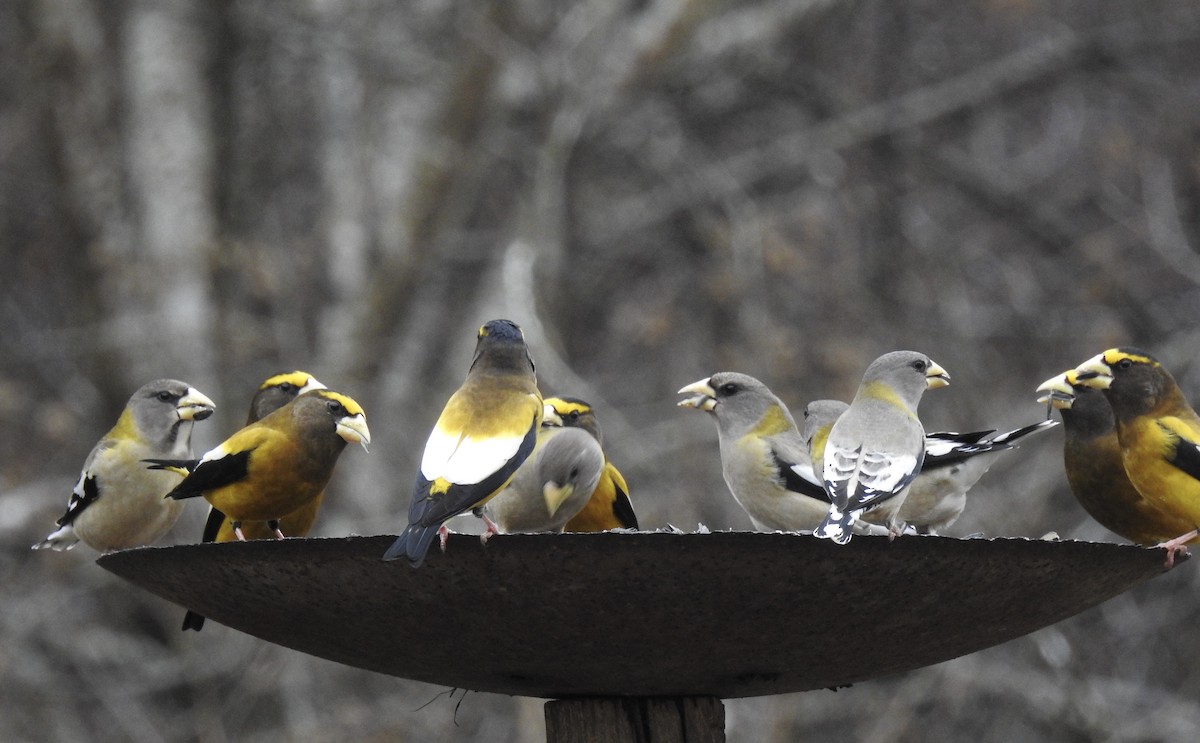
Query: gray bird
x=117, y=502
x=763, y=457
x=554, y=483
x=877, y=446
x=953, y=463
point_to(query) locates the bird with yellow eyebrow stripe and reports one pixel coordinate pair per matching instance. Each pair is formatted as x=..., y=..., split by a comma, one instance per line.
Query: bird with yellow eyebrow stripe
x=877, y=446
x=1095, y=472
x=1158, y=431
x=275, y=392
x=279, y=464
x=486, y=430
x=609, y=507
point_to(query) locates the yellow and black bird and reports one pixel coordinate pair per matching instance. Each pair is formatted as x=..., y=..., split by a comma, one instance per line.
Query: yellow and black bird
x=1095, y=472
x=275, y=392
x=486, y=430
x=278, y=464
x=117, y=503
x=1158, y=431
x=609, y=507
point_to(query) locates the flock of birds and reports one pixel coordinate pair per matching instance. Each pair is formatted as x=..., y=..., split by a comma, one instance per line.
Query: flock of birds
x=527, y=464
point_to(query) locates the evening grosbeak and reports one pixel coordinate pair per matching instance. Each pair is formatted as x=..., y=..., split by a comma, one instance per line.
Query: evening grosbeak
x=1158, y=431
x=278, y=464
x=117, y=503
x=275, y=392
x=764, y=460
x=553, y=484
x=953, y=463
x=486, y=431
x=272, y=394
x=1095, y=472
x=877, y=446
x=609, y=507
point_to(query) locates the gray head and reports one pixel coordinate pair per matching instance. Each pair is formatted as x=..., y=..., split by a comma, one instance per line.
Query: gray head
x=740, y=402
x=908, y=373
x=162, y=411
x=821, y=414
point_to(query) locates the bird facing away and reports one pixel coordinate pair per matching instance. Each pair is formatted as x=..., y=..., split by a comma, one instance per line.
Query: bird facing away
x=764, y=459
x=877, y=446
x=278, y=464
x=553, y=484
x=275, y=392
x=117, y=503
x=953, y=463
x=610, y=506
x=1158, y=431
x=487, y=429
x=1095, y=472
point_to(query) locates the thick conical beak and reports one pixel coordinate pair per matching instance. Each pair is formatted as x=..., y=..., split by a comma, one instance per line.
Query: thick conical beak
x=1057, y=391
x=353, y=428
x=1094, y=373
x=556, y=495
x=703, y=396
x=550, y=417
x=936, y=376
x=194, y=406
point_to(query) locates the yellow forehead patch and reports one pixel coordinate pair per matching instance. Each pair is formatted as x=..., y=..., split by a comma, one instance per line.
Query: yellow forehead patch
x=482, y=331
x=297, y=378
x=352, y=407
x=566, y=407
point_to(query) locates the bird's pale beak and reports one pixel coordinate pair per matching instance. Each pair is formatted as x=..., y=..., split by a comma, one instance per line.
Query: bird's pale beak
x=550, y=417
x=194, y=406
x=1094, y=373
x=556, y=495
x=353, y=428
x=703, y=396
x=936, y=376
x=310, y=385
x=1057, y=391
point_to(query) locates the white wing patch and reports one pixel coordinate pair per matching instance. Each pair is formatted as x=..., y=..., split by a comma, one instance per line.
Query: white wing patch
x=807, y=472
x=462, y=460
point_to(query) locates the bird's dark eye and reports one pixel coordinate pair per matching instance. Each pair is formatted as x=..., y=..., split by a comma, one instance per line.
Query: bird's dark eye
x=287, y=386
x=166, y=396
x=920, y=365
x=729, y=388
x=1124, y=363
x=336, y=407
x=573, y=416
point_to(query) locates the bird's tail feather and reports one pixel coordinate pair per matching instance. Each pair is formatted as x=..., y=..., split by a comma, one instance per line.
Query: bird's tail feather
x=835, y=526
x=413, y=543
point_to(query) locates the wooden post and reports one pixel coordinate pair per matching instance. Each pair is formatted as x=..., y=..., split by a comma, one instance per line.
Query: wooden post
x=636, y=720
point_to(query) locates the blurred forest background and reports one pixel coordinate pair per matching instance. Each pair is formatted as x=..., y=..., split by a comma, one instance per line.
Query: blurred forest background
x=217, y=190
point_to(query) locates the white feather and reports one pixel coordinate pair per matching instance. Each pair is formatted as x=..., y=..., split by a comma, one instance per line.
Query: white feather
x=462, y=460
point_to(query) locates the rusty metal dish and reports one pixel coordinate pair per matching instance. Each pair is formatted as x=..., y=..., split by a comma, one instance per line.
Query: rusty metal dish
x=727, y=614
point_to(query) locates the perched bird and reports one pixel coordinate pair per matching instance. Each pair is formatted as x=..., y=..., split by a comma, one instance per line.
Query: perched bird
x=553, y=484
x=953, y=463
x=272, y=394
x=764, y=460
x=117, y=503
x=486, y=431
x=877, y=446
x=275, y=392
x=1095, y=472
x=609, y=507
x=279, y=464
x=1158, y=431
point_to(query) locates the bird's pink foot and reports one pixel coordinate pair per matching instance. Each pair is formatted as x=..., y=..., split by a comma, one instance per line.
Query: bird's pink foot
x=443, y=535
x=489, y=528
x=1177, y=545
